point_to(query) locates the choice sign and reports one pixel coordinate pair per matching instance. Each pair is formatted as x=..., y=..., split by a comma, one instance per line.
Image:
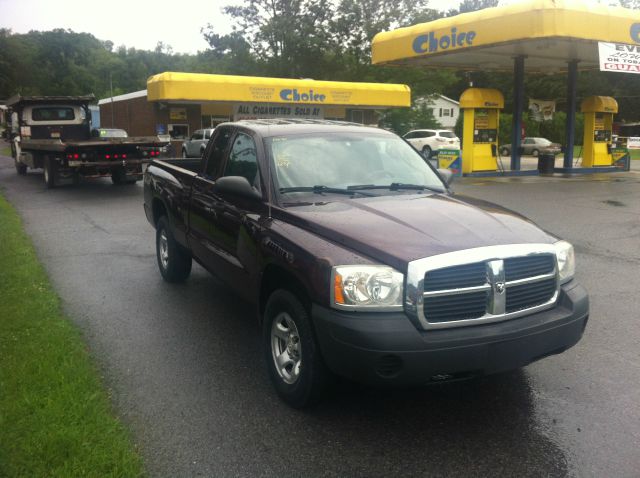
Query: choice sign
x=296, y=96
x=431, y=43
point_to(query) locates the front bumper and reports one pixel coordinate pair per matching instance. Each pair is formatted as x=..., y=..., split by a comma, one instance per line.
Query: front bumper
x=389, y=349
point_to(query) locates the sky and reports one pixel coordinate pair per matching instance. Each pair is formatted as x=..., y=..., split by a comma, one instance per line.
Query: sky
x=134, y=23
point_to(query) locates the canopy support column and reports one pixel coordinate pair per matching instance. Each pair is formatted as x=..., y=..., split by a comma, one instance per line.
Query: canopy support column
x=518, y=105
x=571, y=113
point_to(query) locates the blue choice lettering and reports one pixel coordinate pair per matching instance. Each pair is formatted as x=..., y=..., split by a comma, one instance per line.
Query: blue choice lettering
x=635, y=32
x=296, y=96
x=430, y=43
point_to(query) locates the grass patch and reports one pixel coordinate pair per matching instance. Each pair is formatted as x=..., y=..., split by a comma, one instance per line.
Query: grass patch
x=5, y=151
x=56, y=419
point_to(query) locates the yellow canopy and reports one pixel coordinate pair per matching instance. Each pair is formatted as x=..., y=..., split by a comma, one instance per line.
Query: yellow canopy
x=481, y=98
x=599, y=104
x=171, y=86
x=549, y=33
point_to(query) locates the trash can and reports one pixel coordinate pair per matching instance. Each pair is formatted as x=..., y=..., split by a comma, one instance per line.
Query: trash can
x=546, y=162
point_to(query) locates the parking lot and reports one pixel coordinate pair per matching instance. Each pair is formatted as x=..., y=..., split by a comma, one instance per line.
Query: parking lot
x=185, y=368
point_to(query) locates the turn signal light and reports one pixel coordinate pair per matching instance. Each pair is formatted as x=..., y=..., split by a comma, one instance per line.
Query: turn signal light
x=337, y=289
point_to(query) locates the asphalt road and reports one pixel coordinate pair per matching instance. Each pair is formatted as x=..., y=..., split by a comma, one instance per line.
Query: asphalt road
x=185, y=369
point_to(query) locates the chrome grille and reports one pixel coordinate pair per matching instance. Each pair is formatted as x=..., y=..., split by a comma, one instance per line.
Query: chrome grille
x=482, y=285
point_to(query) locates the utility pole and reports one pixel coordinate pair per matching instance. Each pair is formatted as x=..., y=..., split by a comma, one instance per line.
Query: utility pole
x=111, y=88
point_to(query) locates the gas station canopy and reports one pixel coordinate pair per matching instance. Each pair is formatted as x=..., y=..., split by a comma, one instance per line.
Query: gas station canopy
x=547, y=33
x=196, y=87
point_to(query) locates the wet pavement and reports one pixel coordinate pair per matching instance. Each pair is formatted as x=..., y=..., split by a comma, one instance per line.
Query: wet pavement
x=185, y=367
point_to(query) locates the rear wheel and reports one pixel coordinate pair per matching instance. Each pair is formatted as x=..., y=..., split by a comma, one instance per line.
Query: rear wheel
x=20, y=168
x=426, y=152
x=174, y=262
x=184, y=153
x=50, y=172
x=504, y=152
x=119, y=177
x=295, y=365
x=535, y=152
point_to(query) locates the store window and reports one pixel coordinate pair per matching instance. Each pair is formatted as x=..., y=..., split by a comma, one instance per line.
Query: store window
x=179, y=131
x=357, y=116
x=209, y=121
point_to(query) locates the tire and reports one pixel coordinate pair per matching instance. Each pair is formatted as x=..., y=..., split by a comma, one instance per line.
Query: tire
x=50, y=173
x=426, y=152
x=118, y=177
x=174, y=262
x=505, y=152
x=535, y=153
x=184, y=153
x=202, y=152
x=302, y=377
x=21, y=169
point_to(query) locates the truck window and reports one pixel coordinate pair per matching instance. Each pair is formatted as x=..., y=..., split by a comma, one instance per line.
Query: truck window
x=216, y=155
x=242, y=159
x=55, y=113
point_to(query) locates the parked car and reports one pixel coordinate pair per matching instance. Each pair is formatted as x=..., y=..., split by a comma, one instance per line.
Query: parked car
x=194, y=146
x=430, y=141
x=531, y=146
x=359, y=260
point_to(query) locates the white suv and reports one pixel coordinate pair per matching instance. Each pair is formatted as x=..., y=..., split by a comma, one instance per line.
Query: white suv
x=194, y=146
x=428, y=141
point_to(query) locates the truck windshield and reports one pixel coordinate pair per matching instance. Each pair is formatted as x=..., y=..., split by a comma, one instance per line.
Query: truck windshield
x=347, y=161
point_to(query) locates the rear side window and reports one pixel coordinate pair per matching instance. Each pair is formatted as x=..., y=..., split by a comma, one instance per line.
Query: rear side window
x=217, y=150
x=243, y=160
x=196, y=136
x=447, y=134
x=58, y=113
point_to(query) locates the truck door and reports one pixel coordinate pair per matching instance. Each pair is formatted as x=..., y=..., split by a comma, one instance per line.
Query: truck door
x=205, y=206
x=232, y=228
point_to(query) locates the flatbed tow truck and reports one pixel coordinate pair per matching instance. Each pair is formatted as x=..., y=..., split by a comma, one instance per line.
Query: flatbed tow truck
x=54, y=133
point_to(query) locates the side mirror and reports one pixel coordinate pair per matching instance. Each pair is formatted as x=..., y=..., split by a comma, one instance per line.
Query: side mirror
x=236, y=186
x=446, y=175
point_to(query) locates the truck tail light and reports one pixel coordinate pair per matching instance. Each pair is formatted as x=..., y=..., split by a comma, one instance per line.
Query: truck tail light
x=107, y=156
x=76, y=156
x=124, y=156
x=115, y=156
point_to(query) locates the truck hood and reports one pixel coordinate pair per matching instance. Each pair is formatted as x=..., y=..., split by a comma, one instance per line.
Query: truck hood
x=401, y=228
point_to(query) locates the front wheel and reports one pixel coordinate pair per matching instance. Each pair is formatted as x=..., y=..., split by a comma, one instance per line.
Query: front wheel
x=535, y=152
x=184, y=153
x=504, y=152
x=295, y=365
x=174, y=262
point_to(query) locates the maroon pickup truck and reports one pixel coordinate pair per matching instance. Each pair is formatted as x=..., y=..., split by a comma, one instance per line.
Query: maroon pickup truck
x=360, y=260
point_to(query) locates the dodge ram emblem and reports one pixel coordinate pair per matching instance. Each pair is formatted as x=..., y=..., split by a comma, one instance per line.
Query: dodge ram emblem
x=499, y=287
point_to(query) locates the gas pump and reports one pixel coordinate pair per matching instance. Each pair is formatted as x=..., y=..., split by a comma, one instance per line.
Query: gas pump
x=598, y=124
x=481, y=107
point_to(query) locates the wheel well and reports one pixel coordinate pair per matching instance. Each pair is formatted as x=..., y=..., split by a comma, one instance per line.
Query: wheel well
x=158, y=209
x=273, y=278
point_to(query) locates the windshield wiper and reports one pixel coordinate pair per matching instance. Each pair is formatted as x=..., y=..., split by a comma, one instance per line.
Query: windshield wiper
x=319, y=189
x=395, y=187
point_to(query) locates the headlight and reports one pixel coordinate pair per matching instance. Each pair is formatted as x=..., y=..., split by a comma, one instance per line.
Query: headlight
x=566, y=261
x=375, y=288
